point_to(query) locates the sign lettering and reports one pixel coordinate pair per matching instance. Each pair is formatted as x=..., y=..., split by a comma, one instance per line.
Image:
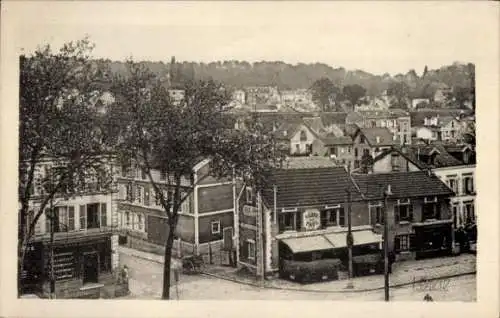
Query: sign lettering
x=312, y=219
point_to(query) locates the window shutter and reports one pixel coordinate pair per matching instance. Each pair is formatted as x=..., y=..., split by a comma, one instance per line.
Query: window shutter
x=104, y=217
x=71, y=218
x=83, y=217
x=146, y=195
x=298, y=218
x=323, y=216
x=410, y=212
x=341, y=216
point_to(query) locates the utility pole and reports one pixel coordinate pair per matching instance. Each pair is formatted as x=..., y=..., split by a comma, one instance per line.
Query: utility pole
x=260, y=242
x=386, y=245
x=52, y=266
x=349, y=237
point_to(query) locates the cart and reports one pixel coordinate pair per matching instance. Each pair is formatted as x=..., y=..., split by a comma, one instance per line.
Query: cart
x=193, y=264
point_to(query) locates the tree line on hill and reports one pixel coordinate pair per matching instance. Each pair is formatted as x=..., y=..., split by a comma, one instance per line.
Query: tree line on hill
x=339, y=82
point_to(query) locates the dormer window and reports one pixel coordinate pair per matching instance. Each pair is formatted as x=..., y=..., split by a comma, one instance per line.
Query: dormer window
x=249, y=195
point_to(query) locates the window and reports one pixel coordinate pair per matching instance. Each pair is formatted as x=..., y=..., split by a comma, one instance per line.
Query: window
x=395, y=162
x=356, y=152
x=157, y=199
x=303, y=136
x=146, y=195
x=468, y=184
x=403, y=210
x=333, y=151
x=93, y=219
x=333, y=217
x=130, y=192
x=430, y=209
x=249, y=195
x=185, y=205
x=127, y=219
x=71, y=218
x=361, y=139
x=402, y=243
x=140, y=222
x=290, y=221
x=138, y=194
x=376, y=212
x=469, y=213
x=251, y=249
x=143, y=174
x=297, y=148
x=349, y=149
x=452, y=183
x=163, y=175
x=215, y=227
x=455, y=215
x=83, y=217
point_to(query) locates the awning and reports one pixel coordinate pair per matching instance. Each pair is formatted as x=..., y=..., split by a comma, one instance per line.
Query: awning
x=359, y=238
x=308, y=244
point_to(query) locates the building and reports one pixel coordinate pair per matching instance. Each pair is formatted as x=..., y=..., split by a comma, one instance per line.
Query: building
x=456, y=170
x=238, y=96
x=176, y=95
x=446, y=128
x=418, y=212
x=85, y=236
x=339, y=149
x=441, y=94
x=419, y=101
x=262, y=95
x=371, y=142
x=300, y=219
x=300, y=134
x=206, y=217
x=397, y=121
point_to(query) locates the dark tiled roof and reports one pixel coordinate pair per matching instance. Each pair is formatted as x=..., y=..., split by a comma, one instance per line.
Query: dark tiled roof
x=371, y=134
x=309, y=187
x=331, y=141
x=403, y=184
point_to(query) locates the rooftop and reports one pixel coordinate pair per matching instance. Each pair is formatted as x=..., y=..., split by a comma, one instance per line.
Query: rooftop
x=309, y=187
x=378, y=136
x=403, y=184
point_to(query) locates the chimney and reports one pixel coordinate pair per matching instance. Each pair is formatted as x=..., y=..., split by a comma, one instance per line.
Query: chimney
x=378, y=139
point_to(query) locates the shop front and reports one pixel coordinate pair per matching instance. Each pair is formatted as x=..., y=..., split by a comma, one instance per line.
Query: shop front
x=325, y=256
x=433, y=239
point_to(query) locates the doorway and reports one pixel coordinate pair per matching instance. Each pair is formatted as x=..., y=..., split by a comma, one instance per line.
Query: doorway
x=90, y=268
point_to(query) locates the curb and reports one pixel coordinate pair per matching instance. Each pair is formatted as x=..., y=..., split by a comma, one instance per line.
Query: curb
x=339, y=291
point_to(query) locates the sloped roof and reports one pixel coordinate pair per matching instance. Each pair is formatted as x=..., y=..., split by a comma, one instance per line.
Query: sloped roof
x=403, y=184
x=315, y=124
x=308, y=162
x=341, y=140
x=384, y=135
x=309, y=187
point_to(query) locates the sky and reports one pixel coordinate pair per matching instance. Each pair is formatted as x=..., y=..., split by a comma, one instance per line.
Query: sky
x=376, y=36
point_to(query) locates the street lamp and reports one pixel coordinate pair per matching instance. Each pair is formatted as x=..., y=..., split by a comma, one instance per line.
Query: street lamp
x=387, y=193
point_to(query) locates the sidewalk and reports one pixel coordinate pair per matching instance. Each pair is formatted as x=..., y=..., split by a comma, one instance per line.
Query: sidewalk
x=404, y=273
x=147, y=256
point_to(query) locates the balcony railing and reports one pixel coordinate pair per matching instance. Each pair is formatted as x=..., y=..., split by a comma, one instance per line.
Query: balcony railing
x=93, y=232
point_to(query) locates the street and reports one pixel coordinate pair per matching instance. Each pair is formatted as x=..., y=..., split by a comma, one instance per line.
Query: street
x=146, y=281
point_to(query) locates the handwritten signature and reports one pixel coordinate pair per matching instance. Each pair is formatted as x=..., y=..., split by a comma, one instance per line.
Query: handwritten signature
x=430, y=285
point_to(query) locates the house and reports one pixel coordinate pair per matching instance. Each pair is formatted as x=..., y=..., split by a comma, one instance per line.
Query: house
x=440, y=128
x=457, y=171
x=417, y=101
x=370, y=142
x=176, y=95
x=300, y=134
x=238, y=96
x=262, y=95
x=336, y=148
x=206, y=217
x=418, y=212
x=397, y=121
x=297, y=96
x=300, y=219
x=85, y=235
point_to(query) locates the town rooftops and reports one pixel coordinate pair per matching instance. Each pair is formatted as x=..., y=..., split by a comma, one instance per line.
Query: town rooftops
x=403, y=185
x=377, y=136
x=309, y=187
x=308, y=162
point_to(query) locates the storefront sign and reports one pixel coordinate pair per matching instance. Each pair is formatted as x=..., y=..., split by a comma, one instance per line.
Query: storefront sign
x=312, y=219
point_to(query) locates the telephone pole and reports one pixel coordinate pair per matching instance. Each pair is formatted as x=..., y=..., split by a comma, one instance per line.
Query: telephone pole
x=349, y=237
x=52, y=266
x=387, y=193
